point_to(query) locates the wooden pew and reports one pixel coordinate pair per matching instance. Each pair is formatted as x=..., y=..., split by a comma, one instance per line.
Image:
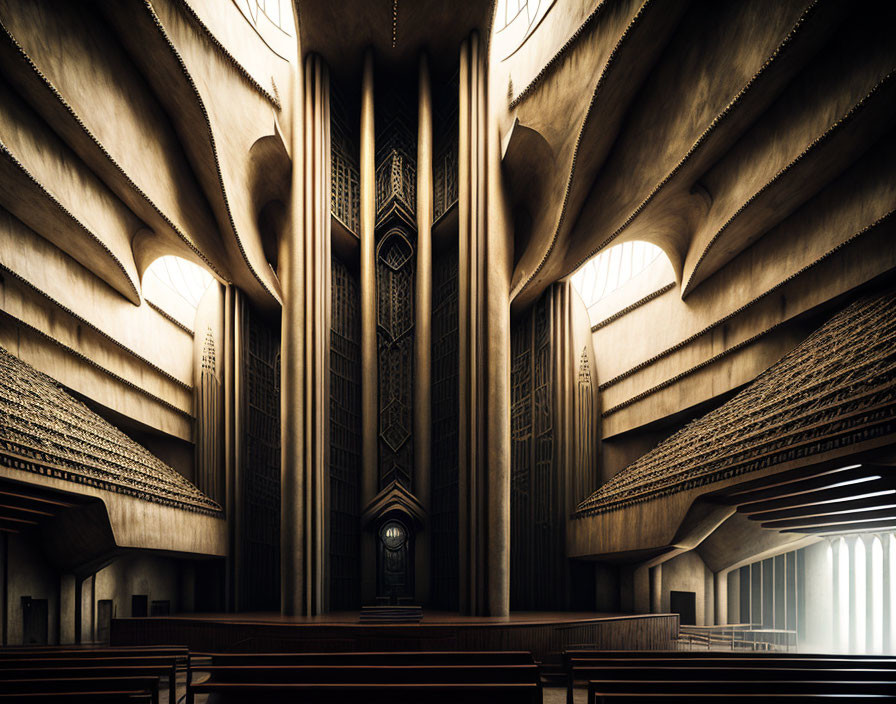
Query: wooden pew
x=489, y=677
x=81, y=685
x=377, y=693
x=597, y=690
x=736, y=698
x=594, y=668
x=374, y=674
x=67, y=663
x=121, y=697
x=714, y=654
x=710, y=674
x=447, y=657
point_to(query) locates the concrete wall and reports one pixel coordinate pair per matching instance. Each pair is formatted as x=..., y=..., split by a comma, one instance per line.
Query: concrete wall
x=157, y=577
x=28, y=574
x=688, y=573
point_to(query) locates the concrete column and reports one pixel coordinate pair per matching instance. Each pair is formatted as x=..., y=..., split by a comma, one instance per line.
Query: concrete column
x=836, y=546
x=92, y=609
x=369, y=453
x=305, y=343
x=656, y=589
x=887, y=616
x=423, y=326
x=499, y=268
x=851, y=547
x=230, y=459
x=869, y=595
x=472, y=450
x=69, y=611
x=720, y=594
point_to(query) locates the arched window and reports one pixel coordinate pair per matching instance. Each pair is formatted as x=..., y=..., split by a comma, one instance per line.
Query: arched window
x=515, y=21
x=176, y=286
x=617, y=268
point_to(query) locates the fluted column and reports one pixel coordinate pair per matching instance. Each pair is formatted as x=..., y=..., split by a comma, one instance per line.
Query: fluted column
x=472, y=455
x=423, y=325
x=305, y=344
x=369, y=454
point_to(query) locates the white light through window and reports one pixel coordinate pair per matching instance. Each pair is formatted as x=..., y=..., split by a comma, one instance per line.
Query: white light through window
x=187, y=280
x=612, y=268
x=515, y=21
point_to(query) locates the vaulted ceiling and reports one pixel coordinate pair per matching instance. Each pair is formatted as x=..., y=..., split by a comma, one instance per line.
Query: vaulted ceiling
x=118, y=146
x=701, y=127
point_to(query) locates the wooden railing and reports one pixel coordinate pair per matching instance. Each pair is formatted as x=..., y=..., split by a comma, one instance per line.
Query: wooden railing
x=737, y=636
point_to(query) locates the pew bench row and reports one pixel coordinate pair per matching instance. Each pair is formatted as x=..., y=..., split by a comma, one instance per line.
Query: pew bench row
x=673, y=676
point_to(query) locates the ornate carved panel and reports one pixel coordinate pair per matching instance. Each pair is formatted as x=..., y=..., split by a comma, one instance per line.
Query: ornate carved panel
x=553, y=452
x=345, y=440
x=208, y=440
x=396, y=150
x=444, y=462
x=445, y=147
x=586, y=429
x=260, y=474
x=395, y=347
x=345, y=185
x=520, y=460
x=535, y=478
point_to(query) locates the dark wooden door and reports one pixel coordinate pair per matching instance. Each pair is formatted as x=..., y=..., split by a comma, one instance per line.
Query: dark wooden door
x=139, y=605
x=34, y=621
x=396, y=576
x=103, y=620
x=685, y=605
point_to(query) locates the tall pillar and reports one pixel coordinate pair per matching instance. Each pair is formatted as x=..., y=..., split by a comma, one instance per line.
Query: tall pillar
x=656, y=589
x=423, y=326
x=499, y=269
x=869, y=595
x=836, y=636
x=233, y=309
x=369, y=451
x=851, y=547
x=720, y=594
x=472, y=448
x=305, y=344
x=887, y=616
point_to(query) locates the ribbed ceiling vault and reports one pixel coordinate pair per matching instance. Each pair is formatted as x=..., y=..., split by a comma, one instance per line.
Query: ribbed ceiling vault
x=129, y=152
x=704, y=125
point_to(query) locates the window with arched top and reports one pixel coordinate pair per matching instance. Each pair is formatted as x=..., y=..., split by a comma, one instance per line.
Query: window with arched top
x=621, y=275
x=175, y=286
x=515, y=21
